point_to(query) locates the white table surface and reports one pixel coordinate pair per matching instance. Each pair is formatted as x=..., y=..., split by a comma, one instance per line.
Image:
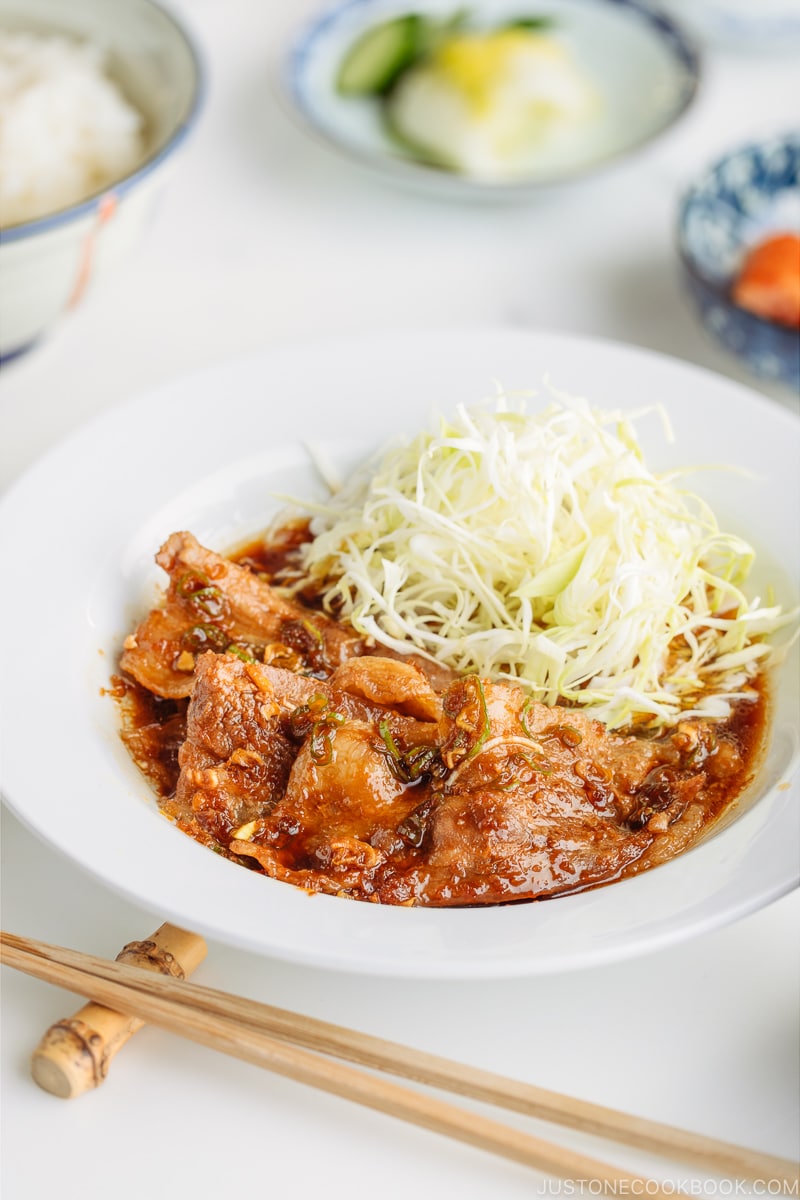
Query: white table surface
x=264, y=237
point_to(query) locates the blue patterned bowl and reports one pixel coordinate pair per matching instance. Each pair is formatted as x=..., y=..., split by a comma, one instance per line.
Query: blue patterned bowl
x=739, y=201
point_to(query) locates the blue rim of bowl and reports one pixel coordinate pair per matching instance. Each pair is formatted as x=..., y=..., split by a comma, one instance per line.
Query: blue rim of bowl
x=63, y=216
x=681, y=45
x=722, y=290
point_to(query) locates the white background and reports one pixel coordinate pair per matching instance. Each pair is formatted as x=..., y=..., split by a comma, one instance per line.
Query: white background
x=263, y=237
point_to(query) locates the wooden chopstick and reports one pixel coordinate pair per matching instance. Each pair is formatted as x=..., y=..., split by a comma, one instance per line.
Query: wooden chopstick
x=176, y=1009
x=269, y=1036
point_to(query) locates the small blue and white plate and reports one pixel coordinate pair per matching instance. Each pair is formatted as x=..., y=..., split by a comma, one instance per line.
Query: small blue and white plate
x=740, y=200
x=642, y=67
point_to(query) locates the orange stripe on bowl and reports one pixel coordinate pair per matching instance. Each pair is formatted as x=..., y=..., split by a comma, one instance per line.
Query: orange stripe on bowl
x=106, y=208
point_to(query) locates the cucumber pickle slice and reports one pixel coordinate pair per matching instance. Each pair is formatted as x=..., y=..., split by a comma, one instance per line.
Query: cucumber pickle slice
x=380, y=55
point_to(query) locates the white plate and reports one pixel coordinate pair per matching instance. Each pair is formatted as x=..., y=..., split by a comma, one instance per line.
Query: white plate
x=77, y=536
x=642, y=66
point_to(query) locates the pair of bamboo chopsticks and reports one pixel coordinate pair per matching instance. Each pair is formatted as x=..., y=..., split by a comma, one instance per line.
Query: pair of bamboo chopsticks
x=297, y=1047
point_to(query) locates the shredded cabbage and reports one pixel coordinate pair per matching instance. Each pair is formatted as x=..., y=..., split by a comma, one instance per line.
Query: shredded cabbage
x=539, y=548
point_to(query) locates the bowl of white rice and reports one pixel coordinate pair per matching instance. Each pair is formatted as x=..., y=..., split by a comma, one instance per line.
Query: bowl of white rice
x=96, y=96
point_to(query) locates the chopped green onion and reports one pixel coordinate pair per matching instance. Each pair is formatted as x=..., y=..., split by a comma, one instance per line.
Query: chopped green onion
x=567, y=734
x=240, y=652
x=421, y=760
x=388, y=740
x=188, y=584
x=523, y=716
x=485, y=717
x=198, y=589
x=540, y=765
x=415, y=763
x=319, y=721
x=320, y=744
x=205, y=637
x=312, y=629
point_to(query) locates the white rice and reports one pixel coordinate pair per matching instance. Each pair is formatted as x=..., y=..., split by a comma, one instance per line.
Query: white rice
x=66, y=131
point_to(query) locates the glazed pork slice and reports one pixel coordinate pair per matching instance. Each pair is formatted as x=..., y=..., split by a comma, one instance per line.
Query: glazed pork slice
x=247, y=722
x=214, y=604
x=513, y=801
x=235, y=761
x=550, y=802
x=338, y=820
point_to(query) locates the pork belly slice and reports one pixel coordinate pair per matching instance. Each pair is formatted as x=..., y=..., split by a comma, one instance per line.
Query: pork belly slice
x=212, y=603
x=524, y=801
x=235, y=761
x=399, y=684
x=546, y=813
x=491, y=846
x=247, y=722
x=338, y=820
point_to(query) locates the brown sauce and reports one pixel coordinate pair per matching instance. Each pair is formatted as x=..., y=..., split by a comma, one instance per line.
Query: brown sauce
x=153, y=731
x=274, y=559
